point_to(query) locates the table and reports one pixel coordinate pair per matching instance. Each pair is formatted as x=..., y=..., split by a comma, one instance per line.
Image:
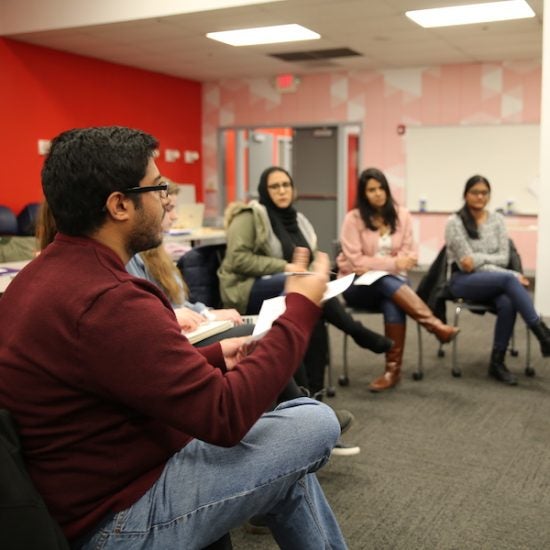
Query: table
x=12, y=268
x=196, y=237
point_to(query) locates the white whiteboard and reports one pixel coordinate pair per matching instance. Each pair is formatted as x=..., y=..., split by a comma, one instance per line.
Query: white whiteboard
x=441, y=158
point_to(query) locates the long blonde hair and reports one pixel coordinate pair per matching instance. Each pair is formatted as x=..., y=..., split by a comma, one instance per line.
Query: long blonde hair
x=162, y=268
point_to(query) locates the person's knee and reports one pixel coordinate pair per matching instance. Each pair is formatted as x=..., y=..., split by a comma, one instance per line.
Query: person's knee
x=392, y=313
x=313, y=420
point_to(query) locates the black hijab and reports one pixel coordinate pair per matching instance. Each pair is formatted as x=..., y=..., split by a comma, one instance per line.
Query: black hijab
x=283, y=220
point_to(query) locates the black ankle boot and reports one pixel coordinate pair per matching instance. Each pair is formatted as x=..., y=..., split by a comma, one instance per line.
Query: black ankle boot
x=542, y=332
x=498, y=370
x=335, y=313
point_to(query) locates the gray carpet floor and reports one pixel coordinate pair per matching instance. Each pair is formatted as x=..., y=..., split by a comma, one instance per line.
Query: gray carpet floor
x=446, y=463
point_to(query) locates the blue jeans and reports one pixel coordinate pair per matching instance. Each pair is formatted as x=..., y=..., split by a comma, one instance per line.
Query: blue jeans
x=501, y=289
x=205, y=491
x=378, y=296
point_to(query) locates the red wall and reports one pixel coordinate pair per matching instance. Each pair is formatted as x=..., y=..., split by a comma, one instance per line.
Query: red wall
x=44, y=91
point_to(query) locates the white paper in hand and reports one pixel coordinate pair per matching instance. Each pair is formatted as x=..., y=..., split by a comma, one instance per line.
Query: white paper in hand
x=270, y=310
x=337, y=286
x=274, y=307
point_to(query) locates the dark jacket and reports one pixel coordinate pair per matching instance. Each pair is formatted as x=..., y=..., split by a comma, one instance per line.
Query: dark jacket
x=434, y=288
x=199, y=269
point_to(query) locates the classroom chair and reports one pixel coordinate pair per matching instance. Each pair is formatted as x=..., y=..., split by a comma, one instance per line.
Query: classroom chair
x=434, y=290
x=343, y=379
x=26, y=219
x=8, y=221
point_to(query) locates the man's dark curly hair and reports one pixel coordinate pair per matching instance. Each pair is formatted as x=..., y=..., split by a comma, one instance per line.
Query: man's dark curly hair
x=85, y=165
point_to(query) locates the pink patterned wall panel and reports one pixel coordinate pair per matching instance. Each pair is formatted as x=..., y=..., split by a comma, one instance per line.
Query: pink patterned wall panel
x=491, y=93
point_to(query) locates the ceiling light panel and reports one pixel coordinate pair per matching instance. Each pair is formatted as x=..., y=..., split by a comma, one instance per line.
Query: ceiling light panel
x=264, y=35
x=471, y=13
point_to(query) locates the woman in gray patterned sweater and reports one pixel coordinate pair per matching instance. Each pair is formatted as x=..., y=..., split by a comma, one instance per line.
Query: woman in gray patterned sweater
x=479, y=251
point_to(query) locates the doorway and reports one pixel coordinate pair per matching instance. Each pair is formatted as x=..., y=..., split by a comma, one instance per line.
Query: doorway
x=323, y=161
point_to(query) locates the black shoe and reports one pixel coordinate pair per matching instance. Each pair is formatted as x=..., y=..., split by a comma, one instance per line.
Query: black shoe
x=345, y=419
x=542, y=332
x=498, y=370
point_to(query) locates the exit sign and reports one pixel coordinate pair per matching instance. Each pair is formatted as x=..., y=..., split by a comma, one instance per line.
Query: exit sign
x=286, y=83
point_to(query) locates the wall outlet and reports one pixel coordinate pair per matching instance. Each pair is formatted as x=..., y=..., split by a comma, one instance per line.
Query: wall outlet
x=44, y=146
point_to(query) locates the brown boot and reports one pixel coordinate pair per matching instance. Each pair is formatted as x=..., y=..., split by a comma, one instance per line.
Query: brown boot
x=407, y=299
x=394, y=358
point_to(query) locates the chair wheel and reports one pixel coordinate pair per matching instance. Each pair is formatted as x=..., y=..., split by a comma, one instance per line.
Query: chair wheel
x=441, y=353
x=514, y=352
x=529, y=371
x=417, y=375
x=456, y=373
x=343, y=380
x=331, y=392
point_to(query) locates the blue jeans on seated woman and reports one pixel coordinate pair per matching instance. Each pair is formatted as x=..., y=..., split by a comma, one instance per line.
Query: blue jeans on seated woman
x=205, y=491
x=501, y=289
x=378, y=296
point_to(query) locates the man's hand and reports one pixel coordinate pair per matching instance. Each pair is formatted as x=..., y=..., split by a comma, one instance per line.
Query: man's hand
x=311, y=286
x=235, y=349
x=523, y=280
x=188, y=319
x=300, y=261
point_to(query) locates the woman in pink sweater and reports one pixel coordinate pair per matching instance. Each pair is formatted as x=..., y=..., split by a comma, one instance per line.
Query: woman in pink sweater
x=377, y=236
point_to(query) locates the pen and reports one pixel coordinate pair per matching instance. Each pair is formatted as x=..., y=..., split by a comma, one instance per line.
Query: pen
x=288, y=273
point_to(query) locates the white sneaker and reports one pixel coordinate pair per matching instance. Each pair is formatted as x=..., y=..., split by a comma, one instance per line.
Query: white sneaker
x=341, y=449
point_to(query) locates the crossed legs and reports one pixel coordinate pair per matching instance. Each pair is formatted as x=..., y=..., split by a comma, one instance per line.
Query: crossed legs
x=205, y=490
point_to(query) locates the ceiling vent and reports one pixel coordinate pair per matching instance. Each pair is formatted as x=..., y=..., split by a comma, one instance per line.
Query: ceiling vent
x=315, y=55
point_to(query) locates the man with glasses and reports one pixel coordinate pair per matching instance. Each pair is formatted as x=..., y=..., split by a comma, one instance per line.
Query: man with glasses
x=134, y=438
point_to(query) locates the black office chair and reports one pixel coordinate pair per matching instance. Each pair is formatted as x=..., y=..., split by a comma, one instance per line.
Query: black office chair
x=26, y=219
x=25, y=523
x=8, y=221
x=199, y=268
x=480, y=309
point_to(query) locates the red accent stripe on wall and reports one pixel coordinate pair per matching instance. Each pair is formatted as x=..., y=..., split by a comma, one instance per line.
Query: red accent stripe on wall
x=44, y=92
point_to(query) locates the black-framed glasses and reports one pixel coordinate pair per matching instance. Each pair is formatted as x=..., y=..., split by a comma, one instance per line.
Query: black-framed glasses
x=162, y=188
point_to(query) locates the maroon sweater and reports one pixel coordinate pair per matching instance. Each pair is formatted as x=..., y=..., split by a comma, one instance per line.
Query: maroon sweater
x=104, y=387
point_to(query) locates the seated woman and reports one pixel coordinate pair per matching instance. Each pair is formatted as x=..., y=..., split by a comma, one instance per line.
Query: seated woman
x=261, y=238
x=479, y=252
x=377, y=235
x=156, y=266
